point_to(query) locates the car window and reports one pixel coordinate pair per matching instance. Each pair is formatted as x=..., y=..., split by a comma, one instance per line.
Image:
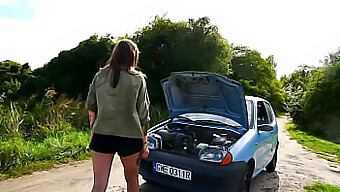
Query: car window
x=262, y=116
x=269, y=113
x=250, y=112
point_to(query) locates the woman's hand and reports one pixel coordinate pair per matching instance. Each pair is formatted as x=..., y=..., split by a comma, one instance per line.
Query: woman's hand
x=92, y=117
x=145, y=151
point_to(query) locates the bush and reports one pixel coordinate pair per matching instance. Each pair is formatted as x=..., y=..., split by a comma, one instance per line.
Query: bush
x=322, y=106
x=39, y=120
x=10, y=120
x=313, y=100
x=17, y=154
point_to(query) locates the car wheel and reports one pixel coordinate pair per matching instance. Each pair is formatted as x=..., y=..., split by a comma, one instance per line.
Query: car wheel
x=272, y=165
x=245, y=185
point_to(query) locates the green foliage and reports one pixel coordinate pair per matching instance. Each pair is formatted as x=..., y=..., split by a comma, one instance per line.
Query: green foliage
x=319, y=187
x=10, y=120
x=314, y=97
x=17, y=154
x=325, y=149
x=296, y=86
x=322, y=106
x=12, y=75
x=257, y=75
x=41, y=148
x=168, y=47
x=39, y=120
x=72, y=71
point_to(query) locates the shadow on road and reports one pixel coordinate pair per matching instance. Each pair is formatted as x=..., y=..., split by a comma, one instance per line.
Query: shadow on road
x=155, y=187
x=265, y=181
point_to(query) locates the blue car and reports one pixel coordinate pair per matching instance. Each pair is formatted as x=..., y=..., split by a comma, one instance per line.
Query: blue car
x=216, y=139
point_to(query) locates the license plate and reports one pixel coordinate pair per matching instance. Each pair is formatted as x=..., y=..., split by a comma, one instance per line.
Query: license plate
x=172, y=171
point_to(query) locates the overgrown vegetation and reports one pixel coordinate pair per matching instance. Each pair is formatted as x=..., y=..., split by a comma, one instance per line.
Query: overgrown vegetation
x=257, y=75
x=37, y=134
x=19, y=156
x=325, y=149
x=319, y=187
x=313, y=97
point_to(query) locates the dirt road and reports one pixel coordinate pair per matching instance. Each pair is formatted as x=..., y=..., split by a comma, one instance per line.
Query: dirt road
x=296, y=167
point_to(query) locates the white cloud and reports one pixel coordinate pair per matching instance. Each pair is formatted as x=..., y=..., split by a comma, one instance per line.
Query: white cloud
x=7, y=2
x=295, y=32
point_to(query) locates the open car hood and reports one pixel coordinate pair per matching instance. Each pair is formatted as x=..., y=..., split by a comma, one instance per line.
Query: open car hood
x=202, y=92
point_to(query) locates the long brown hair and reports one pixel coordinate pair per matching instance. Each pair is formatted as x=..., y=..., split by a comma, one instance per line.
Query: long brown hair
x=124, y=57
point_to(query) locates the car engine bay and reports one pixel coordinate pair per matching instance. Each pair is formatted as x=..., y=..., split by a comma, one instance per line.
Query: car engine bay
x=190, y=139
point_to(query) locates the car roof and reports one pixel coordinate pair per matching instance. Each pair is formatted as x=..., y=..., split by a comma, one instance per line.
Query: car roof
x=252, y=98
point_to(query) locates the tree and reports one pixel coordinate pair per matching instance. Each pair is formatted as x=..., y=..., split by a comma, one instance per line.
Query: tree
x=12, y=76
x=257, y=75
x=314, y=97
x=168, y=46
x=72, y=71
x=295, y=86
x=322, y=106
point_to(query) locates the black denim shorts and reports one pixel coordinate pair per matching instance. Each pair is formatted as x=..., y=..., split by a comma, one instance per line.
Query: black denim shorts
x=124, y=146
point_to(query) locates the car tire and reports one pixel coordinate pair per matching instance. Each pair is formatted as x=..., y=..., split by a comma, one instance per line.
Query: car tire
x=245, y=185
x=272, y=165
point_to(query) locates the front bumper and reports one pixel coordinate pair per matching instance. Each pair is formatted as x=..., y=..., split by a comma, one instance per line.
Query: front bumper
x=205, y=176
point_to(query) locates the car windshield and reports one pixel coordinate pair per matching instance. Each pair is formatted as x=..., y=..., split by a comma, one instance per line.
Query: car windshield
x=209, y=119
x=250, y=112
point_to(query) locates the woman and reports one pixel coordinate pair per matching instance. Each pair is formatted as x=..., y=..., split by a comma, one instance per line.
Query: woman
x=118, y=107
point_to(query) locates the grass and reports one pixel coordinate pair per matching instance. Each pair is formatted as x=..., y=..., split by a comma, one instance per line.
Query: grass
x=19, y=156
x=280, y=114
x=325, y=149
x=48, y=136
x=319, y=187
x=37, y=135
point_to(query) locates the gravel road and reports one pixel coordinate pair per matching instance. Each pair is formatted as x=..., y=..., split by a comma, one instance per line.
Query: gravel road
x=296, y=167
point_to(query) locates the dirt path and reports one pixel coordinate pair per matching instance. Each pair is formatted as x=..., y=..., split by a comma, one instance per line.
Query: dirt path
x=296, y=167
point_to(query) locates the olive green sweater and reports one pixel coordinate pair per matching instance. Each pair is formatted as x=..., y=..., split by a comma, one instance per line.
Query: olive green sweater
x=120, y=111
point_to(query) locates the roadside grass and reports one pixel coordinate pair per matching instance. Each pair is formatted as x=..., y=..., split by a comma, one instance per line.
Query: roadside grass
x=19, y=156
x=325, y=149
x=319, y=187
x=47, y=136
x=280, y=114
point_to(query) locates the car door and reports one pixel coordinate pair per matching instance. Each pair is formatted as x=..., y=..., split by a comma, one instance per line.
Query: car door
x=274, y=132
x=264, y=140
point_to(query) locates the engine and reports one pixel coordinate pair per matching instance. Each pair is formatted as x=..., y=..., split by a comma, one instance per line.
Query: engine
x=189, y=139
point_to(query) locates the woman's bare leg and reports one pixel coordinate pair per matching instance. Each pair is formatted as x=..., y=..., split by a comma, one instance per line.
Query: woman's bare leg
x=101, y=169
x=131, y=169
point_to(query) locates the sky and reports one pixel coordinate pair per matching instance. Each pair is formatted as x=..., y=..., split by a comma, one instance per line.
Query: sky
x=295, y=32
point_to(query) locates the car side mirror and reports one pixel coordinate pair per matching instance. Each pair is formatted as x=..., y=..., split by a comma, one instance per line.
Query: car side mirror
x=265, y=127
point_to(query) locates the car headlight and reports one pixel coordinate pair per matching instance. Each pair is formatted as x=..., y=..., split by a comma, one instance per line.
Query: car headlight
x=154, y=141
x=215, y=154
x=212, y=154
